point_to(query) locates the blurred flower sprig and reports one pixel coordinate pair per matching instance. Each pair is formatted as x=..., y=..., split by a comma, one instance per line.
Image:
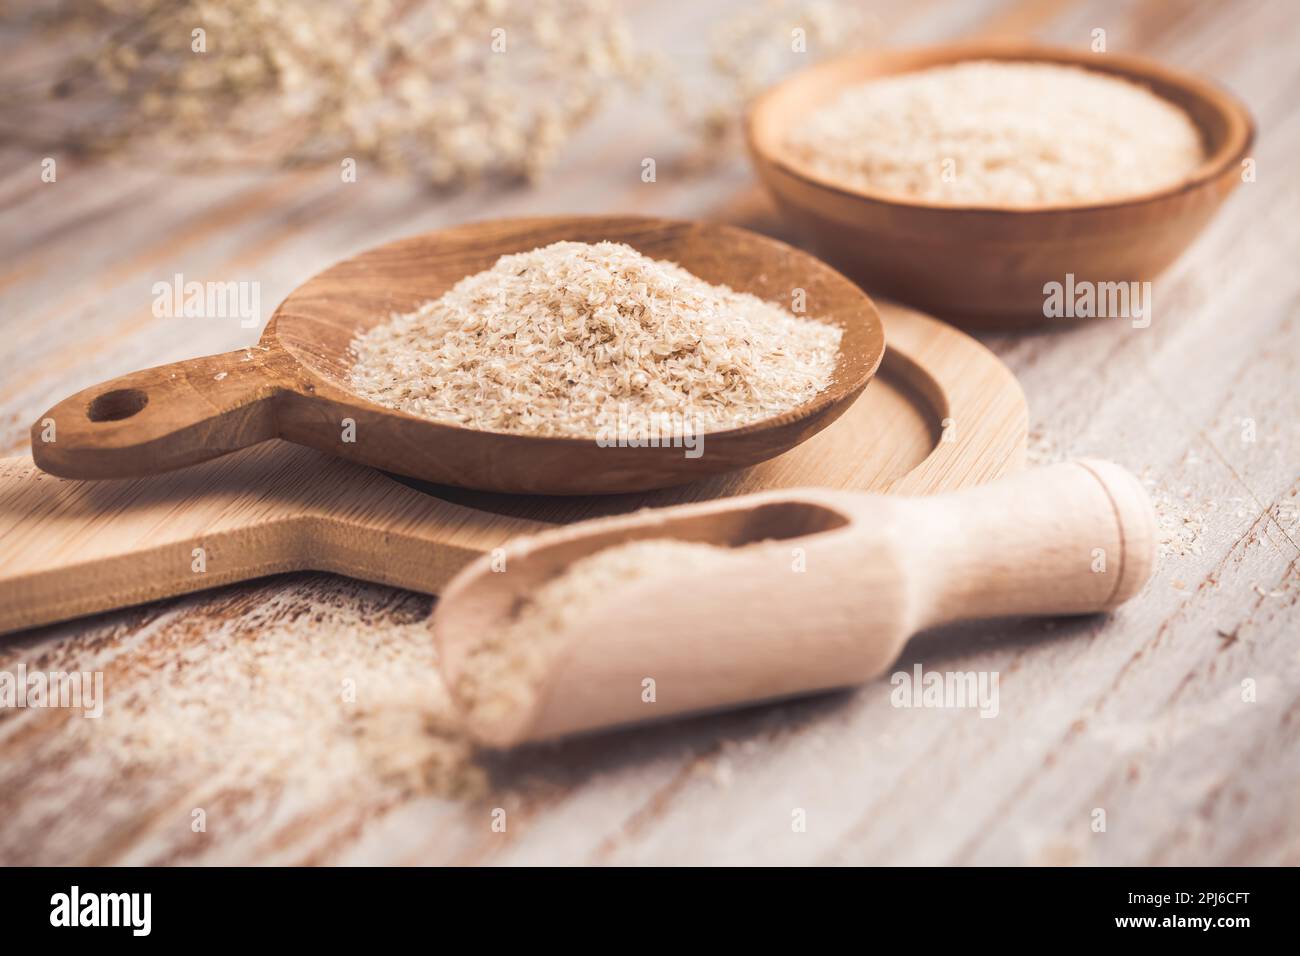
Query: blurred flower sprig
x=448, y=91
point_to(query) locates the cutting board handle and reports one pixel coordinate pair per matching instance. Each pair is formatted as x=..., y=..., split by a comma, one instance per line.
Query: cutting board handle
x=1072, y=538
x=77, y=547
x=160, y=418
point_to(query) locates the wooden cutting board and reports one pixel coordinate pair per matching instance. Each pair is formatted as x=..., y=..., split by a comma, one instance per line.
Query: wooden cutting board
x=942, y=414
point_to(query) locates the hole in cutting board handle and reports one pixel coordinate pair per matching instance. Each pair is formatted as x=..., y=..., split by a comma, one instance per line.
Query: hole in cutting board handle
x=116, y=405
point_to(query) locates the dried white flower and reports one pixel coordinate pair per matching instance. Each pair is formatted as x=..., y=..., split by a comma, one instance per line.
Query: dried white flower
x=414, y=88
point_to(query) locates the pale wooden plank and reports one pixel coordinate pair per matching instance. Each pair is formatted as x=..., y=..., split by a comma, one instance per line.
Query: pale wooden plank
x=1134, y=714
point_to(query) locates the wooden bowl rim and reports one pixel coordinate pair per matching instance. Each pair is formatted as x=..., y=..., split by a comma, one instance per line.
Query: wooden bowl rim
x=1236, y=144
x=840, y=391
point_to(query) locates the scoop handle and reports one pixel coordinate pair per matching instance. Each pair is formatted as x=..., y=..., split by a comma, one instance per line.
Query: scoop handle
x=1072, y=538
x=159, y=419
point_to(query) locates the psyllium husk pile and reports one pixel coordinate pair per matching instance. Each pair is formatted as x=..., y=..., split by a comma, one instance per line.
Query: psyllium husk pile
x=292, y=714
x=986, y=133
x=504, y=672
x=566, y=339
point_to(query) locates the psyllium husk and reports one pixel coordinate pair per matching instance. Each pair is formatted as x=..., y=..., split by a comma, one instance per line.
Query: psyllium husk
x=999, y=133
x=565, y=339
x=505, y=669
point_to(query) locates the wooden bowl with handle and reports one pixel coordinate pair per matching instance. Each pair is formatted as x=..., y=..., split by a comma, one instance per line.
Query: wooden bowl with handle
x=986, y=266
x=294, y=384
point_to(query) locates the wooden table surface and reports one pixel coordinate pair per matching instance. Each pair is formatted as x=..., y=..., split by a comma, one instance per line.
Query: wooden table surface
x=1141, y=715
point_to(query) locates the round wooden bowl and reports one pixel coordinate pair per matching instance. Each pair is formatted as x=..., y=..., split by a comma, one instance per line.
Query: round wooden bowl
x=985, y=266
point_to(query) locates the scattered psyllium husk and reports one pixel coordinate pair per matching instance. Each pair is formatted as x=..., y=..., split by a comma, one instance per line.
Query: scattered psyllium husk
x=505, y=670
x=1041, y=448
x=987, y=133
x=349, y=688
x=569, y=338
x=325, y=694
x=1180, y=523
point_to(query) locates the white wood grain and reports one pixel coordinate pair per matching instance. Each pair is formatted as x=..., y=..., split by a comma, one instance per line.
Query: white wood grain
x=1139, y=714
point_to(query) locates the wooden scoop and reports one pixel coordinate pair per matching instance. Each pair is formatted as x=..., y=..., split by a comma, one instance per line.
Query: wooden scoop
x=1073, y=538
x=294, y=383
